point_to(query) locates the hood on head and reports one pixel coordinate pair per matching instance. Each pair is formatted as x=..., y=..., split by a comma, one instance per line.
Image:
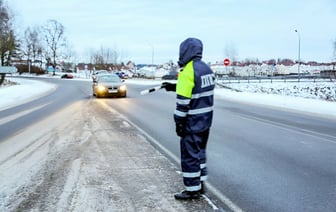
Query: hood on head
x=189, y=49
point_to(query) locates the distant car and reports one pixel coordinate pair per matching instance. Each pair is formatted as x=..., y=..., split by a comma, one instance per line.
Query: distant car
x=169, y=77
x=122, y=75
x=106, y=85
x=67, y=76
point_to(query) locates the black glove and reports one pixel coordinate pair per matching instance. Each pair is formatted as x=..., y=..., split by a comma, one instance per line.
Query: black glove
x=180, y=64
x=180, y=131
x=169, y=86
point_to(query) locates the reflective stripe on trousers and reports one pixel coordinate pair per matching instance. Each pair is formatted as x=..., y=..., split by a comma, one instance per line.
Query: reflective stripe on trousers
x=193, y=159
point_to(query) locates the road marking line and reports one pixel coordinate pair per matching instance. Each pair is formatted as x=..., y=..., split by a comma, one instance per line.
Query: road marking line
x=20, y=114
x=214, y=207
x=329, y=138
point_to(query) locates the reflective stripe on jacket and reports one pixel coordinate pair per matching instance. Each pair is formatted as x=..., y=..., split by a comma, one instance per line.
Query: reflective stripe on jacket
x=195, y=91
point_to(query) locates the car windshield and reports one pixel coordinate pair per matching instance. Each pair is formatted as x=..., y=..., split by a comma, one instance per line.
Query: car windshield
x=109, y=78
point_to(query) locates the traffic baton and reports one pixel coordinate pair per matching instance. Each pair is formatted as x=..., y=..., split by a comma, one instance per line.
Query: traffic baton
x=150, y=90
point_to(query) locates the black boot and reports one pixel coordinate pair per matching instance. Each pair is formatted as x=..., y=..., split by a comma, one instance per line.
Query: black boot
x=187, y=195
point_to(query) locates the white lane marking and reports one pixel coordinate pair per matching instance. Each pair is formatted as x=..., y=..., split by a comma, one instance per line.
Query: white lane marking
x=20, y=114
x=329, y=138
x=126, y=124
x=214, y=207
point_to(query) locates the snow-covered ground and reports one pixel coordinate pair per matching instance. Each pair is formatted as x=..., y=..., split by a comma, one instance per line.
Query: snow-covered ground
x=317, y=98
x=21, y=91
x=322, y=89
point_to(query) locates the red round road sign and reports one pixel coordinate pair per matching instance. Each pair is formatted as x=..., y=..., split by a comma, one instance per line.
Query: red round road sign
x=226, y=61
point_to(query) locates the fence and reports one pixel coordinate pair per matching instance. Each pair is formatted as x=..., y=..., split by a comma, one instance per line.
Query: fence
x=271, y=79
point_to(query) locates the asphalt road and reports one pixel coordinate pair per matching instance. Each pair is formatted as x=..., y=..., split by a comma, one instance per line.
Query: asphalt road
x=259, y=159
x=25, y=114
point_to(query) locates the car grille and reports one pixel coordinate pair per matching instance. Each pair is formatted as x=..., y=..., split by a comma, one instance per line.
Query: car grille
x=112, y=88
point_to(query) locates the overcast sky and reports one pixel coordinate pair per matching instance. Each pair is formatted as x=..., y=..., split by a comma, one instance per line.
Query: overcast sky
x=262, y=29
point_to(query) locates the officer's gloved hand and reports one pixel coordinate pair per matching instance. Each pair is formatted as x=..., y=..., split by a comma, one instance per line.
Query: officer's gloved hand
x=169, y=86
x=180, y=131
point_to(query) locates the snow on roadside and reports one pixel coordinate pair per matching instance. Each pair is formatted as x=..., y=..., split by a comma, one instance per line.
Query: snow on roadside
x=317, y=107
x=315, y=90
x=24, y=90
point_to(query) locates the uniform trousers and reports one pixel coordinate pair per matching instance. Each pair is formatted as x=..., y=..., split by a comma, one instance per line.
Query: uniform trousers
x=193, y=159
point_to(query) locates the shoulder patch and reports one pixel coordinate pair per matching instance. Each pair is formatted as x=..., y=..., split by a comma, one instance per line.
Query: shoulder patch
x=207, y=80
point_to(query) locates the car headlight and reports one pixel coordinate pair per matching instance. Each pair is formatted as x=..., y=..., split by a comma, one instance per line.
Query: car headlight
x=101, y=88
x=122, y=88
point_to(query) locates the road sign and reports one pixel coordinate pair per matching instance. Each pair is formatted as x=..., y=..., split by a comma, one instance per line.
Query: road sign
x=8, y=69
x=226, y=61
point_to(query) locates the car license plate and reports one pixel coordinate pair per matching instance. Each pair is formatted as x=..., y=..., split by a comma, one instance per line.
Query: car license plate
x=113, y=91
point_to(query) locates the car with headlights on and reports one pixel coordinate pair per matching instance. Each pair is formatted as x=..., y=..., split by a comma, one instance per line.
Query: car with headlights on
x=108, y=85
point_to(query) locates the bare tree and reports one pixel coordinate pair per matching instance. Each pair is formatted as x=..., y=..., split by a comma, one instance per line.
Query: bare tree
x=108, y=55
x=231, y=52
x=4, y=28
x=70, y=57
x=334, y=63
x=97, y=58
x=335, y=49
x=104, y=58
x=55, y=40
x=9, y=45
x=33, y=46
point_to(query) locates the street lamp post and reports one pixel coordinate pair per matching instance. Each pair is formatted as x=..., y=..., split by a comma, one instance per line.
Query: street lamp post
x=152, y=57
x=299, y=48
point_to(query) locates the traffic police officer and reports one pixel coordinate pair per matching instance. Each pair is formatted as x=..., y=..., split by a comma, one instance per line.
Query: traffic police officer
x=193, y=115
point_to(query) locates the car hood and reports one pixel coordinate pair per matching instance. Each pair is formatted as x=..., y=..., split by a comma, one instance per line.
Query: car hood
x=116, y=84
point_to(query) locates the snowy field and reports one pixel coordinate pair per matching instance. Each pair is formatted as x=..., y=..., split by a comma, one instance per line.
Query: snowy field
x=323, y=89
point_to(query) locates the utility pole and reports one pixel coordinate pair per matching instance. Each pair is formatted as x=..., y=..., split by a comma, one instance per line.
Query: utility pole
x=299, y=49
